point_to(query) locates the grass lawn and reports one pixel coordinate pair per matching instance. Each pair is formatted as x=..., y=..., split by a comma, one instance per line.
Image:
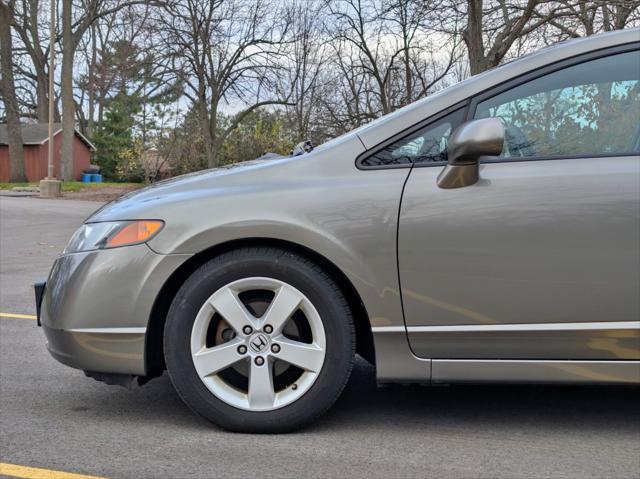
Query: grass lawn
x=73, y=185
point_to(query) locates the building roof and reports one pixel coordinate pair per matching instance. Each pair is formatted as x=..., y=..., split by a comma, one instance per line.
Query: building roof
x=38, y=134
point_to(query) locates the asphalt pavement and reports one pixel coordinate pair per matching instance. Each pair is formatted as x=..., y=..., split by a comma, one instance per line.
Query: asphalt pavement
x=53, y=417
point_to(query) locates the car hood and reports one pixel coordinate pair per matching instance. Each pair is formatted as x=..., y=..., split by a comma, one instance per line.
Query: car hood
x=199, y=182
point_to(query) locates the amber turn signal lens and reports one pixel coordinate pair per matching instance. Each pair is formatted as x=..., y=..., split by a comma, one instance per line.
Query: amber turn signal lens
x=136, y=232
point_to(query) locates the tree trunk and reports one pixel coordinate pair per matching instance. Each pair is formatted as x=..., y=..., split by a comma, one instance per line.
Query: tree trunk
x=473, y=37
x=68, y=105
x=42, y=87
x=212, y=157
x=208, y=127
x=211, y=144
x=408, y=75
x=7, y=87
x=28, y=30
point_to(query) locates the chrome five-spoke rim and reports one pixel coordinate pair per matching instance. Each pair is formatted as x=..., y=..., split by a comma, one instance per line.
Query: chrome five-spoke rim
x=258, y=344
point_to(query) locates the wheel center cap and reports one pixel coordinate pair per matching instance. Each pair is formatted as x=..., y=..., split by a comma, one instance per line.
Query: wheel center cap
x=259, y=342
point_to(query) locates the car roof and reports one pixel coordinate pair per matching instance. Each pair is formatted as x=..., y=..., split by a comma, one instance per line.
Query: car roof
x=378, y=130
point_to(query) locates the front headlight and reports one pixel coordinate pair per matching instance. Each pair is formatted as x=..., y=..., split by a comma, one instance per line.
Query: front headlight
x=112, y=234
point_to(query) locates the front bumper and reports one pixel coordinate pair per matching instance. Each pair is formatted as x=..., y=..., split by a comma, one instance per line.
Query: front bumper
x=105, y=351
x=96, y=307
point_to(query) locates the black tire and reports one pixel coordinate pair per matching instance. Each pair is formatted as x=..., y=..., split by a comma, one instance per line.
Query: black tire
x=300, y=273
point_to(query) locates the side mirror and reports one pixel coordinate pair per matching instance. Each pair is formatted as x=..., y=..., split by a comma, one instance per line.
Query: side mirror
x=467, y=144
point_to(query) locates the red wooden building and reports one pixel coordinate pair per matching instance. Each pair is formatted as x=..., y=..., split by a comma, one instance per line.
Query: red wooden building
x=35, y=138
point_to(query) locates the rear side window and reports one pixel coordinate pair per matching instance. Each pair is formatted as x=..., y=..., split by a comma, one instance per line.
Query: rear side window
x=428, y=145
x=588, y=109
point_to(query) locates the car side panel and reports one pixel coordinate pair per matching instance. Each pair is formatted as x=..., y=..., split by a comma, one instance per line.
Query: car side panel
x=533, y=242
x=320, y=201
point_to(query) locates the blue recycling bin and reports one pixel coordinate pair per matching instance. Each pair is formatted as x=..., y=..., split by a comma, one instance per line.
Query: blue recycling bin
x=86, y=177
x=95, y=178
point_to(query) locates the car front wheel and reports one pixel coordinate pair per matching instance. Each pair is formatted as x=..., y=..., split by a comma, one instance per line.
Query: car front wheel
x=259, y=340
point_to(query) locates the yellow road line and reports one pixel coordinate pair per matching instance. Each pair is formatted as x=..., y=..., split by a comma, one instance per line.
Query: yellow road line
x=13, y=470
x=17, y=316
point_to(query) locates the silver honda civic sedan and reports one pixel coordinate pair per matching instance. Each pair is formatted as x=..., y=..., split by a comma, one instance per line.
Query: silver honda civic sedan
x=490, y=232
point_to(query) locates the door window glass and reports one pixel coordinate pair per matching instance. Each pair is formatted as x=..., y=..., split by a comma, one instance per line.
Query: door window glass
x=427, y=145
x=588, y=109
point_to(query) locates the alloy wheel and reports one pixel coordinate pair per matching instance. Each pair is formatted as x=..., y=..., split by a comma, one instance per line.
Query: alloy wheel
x=258, y=344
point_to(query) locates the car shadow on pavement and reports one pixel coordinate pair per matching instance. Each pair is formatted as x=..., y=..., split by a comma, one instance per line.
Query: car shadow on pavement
x=413, y=407
x=582, y=407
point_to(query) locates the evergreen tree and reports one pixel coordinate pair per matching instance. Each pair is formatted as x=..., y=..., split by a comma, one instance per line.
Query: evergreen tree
x=115, y=132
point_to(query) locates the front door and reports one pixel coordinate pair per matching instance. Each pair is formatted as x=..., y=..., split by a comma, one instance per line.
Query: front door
x=541, y=258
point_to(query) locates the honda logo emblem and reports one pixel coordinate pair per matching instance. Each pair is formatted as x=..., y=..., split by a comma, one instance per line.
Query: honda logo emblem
x=259, y=342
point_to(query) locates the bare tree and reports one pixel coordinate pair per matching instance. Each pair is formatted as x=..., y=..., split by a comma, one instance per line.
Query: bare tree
x=491, y=30
x=582, y=18
x=360, y=28
x=223, y=51
x=73, y=29
x=117, y=58
x=29, y=16
x=347, y=102
x=99, y=81
x=387, y=54
x=618, y=14
x=302, y=68
x=426, y=59
x=7, y=87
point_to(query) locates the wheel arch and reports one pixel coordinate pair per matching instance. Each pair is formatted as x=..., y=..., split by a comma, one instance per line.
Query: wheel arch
x=154, y=357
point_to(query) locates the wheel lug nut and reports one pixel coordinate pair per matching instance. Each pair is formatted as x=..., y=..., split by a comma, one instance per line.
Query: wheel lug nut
x=247, y=330
x=242, y=349
x=275, y=348
x=268, y=329
x=259, y=360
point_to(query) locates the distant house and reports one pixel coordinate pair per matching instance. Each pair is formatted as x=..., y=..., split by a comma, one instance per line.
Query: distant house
x=35, y=138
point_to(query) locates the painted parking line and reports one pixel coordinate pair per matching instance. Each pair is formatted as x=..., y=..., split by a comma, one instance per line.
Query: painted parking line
x=14, y=470
x=17, y=316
